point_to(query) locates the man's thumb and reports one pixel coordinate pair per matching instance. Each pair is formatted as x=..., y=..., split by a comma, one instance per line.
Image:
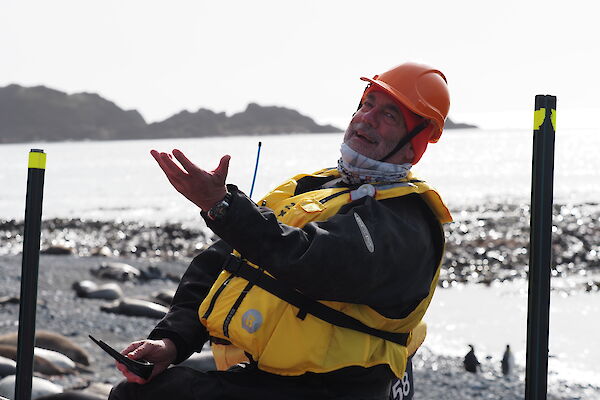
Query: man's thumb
x=223, y=167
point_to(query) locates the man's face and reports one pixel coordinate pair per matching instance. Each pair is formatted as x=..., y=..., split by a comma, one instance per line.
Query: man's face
x=376, y=128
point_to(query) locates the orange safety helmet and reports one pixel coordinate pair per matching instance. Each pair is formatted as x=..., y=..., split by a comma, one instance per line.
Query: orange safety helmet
x=421, y=89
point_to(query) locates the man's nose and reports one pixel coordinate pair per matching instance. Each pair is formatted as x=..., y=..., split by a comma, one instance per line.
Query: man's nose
x=371, y=117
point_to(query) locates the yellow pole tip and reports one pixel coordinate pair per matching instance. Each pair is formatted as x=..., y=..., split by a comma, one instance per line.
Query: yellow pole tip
x=37, y=159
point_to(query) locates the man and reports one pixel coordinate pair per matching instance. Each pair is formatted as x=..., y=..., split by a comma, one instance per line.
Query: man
x=321, y=283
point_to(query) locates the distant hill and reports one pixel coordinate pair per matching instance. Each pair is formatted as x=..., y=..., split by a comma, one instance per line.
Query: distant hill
x=255, y=120
x=43, y=114
x=457, y=125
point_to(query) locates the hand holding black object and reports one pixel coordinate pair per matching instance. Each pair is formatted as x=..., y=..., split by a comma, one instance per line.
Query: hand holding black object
x=141, y=368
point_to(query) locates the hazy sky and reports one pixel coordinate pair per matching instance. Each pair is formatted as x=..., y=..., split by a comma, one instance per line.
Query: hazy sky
x=161, y=57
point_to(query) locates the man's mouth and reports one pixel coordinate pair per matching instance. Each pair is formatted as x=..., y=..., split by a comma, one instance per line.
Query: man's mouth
x=364, y=137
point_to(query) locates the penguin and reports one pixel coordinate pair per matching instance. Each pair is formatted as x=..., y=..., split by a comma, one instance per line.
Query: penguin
x=471, y=362
x=508, y=361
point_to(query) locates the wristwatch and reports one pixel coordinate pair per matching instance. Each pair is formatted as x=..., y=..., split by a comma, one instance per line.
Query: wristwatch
x=219, y=210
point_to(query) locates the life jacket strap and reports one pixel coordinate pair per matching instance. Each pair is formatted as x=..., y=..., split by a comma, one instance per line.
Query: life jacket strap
x=306, y=305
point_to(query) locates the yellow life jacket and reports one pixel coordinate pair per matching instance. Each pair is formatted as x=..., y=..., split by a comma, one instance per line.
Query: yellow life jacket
x=271, y=330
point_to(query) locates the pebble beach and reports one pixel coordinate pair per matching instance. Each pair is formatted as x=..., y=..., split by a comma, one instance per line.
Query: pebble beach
x=485, y=244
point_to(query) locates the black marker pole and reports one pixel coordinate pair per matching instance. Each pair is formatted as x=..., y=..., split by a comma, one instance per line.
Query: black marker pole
x=29, y=273
x=540, y=247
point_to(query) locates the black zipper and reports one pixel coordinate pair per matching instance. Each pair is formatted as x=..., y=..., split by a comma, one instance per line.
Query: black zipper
x=234, y=308
x=333, y=196
x=217, y=293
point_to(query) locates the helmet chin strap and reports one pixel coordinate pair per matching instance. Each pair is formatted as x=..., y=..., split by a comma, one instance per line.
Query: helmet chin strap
x=407, y=138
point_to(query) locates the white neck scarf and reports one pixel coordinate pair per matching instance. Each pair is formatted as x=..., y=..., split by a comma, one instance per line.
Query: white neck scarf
x=355, y=168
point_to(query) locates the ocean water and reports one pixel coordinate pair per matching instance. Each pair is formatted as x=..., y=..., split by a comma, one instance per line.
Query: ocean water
x=120, y=180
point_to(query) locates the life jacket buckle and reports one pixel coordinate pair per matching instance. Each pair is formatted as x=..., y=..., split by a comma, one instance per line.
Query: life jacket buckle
x=233, y=264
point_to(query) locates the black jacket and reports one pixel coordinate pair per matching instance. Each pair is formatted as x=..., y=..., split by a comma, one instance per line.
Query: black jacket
x=325, y=260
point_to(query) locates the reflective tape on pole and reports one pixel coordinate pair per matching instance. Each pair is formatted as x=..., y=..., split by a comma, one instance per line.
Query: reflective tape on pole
x=540, y=247
x=29, y=273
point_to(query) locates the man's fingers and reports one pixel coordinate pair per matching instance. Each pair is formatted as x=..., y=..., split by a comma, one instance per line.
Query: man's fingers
x=132, y=346
x=129, y=376
x=141, y=351
x=173, y=172
x=170, y=167
x=185, y=162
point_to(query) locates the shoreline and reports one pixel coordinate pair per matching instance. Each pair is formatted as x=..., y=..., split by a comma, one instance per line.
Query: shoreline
x=486, y=244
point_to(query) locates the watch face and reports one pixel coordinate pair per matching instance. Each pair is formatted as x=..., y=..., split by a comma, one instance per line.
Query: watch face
x=219, y=209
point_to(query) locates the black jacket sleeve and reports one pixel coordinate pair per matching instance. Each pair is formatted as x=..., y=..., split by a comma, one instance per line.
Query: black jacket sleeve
x=330, y=260
x=181, y=323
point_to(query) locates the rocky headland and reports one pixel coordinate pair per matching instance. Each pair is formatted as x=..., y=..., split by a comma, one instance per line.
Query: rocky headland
x=43, y=114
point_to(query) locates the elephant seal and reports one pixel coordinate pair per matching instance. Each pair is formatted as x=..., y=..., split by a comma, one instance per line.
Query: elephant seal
x=73, y=395
x=136, y=308
x=7, y=367
x=164, y=297
x=99, y=388
x=9, y=300
x=40, y=364
x=203, y=361
x=91, y=290
x=56, y=358
x=39, y=387
x=94, y=391
x=103, y=251
x=58, y=250
x=53, y=341
x=117, y=271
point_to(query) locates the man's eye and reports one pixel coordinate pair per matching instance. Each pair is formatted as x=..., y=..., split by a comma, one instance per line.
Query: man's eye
x=390, y=116
x=366, y=104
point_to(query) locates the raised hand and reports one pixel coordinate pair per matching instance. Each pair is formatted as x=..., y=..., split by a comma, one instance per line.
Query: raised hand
x=203, y=188
x=160, y=352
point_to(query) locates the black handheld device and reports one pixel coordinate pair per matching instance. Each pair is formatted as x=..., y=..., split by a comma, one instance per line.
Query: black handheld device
x=141, y=368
